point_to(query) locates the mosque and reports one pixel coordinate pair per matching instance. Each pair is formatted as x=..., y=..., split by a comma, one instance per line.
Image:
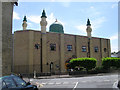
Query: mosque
x=44, y=52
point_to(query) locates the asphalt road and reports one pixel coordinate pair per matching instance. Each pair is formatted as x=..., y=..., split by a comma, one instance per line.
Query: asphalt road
x=105, y=81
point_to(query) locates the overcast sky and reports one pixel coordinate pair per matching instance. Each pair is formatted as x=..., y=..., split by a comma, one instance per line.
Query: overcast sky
x=73, y=16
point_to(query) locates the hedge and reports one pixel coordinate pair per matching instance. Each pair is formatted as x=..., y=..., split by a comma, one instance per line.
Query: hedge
x=87, y=63
x=110, y=62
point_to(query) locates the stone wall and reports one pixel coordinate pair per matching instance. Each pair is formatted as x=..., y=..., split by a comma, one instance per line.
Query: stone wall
x=0, y=39
x=7, y=42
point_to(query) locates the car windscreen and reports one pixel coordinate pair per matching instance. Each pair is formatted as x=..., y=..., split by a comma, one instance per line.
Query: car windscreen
x=19, y=82
x=8, y=81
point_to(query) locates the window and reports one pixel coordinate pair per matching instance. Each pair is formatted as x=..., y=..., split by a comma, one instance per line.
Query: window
x=84, y=49
x=105, y=49
x=37, y=46
x=69, y=47
x=96, y=49
x=53, y=47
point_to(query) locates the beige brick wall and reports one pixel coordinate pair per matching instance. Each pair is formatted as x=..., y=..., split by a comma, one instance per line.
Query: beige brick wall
x=104, y=45
x=97, y=55
x=61, y=54
x=21, y=51
x=82, y=41
x=69, y=40
x=53, y=56
x=37, y=52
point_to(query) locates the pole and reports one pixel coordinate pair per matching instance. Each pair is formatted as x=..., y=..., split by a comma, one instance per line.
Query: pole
x=41, y=55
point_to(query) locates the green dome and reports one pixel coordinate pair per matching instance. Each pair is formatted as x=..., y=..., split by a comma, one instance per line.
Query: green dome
x=56, y=27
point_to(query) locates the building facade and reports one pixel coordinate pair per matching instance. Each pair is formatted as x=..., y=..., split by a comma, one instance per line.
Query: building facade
x=42, y=51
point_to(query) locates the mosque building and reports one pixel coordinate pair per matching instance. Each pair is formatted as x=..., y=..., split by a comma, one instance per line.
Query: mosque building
x=44, y=52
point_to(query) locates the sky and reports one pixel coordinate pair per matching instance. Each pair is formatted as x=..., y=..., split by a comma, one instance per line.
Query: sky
x=73, y=16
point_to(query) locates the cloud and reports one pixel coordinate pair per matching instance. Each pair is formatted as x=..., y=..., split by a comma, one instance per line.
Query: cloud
x=30, y=25
x=34, y=19
x=82, y=29
x=97, y=23
x=16, y=16
x=51, y=19
x=66, y=4
x=52, y=0
x=114, y=5
x=114, y=37
x=95, y=18
x=91, y=7
x=114, y=42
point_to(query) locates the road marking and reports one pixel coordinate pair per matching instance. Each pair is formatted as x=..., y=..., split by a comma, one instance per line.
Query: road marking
x=84, y=81
x=43, y=83
x=65, y=82
x=75, y=85
x=50, y=83
x=106, y=80
x=58, y=83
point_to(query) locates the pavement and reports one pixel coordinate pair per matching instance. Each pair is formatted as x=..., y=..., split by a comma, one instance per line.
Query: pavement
x=70, y=76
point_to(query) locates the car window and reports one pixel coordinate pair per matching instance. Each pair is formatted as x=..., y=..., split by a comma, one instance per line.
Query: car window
x=3, y=85
x=9, y=82
x=19, y=82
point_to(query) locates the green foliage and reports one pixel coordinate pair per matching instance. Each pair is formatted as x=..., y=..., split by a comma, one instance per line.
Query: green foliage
x=87, y=63
x=110, y=62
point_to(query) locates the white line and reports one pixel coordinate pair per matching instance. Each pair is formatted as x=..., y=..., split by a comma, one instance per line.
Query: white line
x=58, y=83
x=66, y=83
x=106, y=80
x=50, y=83
x=43, y=83
x=75, y=85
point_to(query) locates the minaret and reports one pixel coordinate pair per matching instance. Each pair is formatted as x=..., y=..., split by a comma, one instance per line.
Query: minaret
x=43, y=22
x=24, y=25
x=89, y=29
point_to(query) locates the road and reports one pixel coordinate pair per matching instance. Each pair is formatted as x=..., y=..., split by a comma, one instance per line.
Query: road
x=75, y=83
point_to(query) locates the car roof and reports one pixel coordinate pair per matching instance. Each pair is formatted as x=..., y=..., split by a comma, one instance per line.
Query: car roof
x=7, y=76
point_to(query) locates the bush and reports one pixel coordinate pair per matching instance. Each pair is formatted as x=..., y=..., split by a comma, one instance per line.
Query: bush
x=87, y=63
x=110, y=62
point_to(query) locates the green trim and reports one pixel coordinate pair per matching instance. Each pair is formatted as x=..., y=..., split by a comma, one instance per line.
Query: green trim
x=25, y=19
x=88, y=23
x=43, y=14
x=56, y=27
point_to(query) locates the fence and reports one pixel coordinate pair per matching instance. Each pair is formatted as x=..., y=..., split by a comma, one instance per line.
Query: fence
x=30, y=70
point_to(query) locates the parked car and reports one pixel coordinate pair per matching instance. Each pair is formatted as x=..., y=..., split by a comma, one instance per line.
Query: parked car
x=13, y=82
x=116, y=85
